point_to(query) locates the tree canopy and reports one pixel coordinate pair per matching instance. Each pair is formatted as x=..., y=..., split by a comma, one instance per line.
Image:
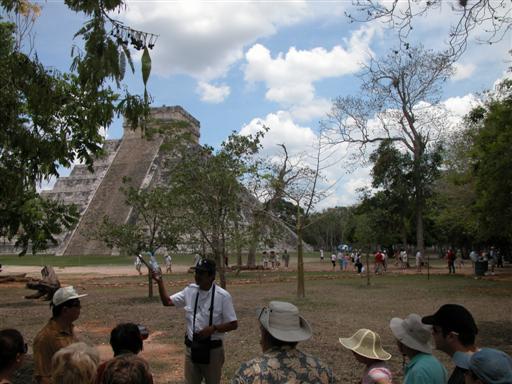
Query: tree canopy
x=52, y=119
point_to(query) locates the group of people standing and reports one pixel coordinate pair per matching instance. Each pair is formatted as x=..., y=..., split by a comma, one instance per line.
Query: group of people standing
x=273, y=259
x=210, y=314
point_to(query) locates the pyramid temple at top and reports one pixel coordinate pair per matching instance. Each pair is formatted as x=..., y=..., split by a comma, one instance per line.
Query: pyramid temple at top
x=98, y=193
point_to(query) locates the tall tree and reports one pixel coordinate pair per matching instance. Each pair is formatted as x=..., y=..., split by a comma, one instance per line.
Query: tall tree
x=398, y=104
x=208, y=184
x=300, y=183
x=493, y=164
x=51, y=119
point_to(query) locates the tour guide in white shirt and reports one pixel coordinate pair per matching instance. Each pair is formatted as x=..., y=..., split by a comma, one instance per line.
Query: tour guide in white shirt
x=204, y=355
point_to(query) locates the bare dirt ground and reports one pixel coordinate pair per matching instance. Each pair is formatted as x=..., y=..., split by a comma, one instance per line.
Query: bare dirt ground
x=336, y=304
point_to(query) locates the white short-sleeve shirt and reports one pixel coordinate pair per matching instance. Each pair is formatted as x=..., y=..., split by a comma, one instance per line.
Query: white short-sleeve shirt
x=223, y=310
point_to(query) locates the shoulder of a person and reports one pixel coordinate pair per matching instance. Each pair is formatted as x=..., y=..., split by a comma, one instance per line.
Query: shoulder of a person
x=221, y=291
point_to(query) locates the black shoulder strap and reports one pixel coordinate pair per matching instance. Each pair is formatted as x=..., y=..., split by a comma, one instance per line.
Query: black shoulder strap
x=211, y=309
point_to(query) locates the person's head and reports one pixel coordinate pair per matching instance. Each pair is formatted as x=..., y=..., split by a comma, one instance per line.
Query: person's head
x=366, y=346
x=412, y=335
x=66, y=304
x=205, y=273
x=281, y=325
x=453, y=328
x=12, y=349
x=75, y=364
x=125, y=338
x=126, y=369
x=486, y=366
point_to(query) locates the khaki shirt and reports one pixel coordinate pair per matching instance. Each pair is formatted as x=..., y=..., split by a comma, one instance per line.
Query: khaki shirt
x=48, y=341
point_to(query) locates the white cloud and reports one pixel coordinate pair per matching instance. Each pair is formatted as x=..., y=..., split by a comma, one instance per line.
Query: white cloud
x=289, y=77
x=211, y=93
x=317, y=108
x=463, y=71
x=203, y=39
x=282, y=130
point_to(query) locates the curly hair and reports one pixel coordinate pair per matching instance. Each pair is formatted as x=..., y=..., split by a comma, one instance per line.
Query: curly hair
x=75, y=364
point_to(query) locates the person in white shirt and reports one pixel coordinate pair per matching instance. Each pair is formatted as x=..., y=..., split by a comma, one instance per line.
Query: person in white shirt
x=209, y=313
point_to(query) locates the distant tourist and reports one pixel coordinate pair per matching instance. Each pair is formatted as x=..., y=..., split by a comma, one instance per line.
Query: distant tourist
x=454, y=330
x=333, y=261
x=413, y=340
x=282, y=328
x=487, y=366
x=57, y=333
x=12, y=352
x=138, y=263
x=450, y=258
x=404, y=259
x=75, y=364
x=419, y=260
x=321, y=255
x=286, y=258
x=367, y=349
x=168, y=263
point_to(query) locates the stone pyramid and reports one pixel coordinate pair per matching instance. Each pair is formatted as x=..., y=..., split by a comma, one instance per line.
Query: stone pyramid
x=98, y=193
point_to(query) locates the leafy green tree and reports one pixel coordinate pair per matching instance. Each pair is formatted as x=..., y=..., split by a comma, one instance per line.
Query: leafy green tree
x=208, y=186
x=333, y=226
x=493, y=164
x=52, y=119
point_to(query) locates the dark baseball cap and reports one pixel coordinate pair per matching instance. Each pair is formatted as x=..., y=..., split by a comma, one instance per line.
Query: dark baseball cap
x=453, y=318
x=205, y=265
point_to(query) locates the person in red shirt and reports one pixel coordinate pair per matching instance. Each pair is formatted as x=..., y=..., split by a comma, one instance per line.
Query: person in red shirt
x=450, y=258
x=379, y=262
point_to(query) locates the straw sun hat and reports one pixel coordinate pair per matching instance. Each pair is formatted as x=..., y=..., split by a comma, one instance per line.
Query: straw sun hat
x=366, y=343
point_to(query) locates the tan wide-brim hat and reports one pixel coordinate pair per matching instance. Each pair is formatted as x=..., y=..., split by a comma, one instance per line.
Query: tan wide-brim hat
x=282, y=321
x=412, y=332
x=366, y=343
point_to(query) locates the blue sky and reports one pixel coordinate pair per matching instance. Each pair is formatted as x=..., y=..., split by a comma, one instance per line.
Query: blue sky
x=234, y=63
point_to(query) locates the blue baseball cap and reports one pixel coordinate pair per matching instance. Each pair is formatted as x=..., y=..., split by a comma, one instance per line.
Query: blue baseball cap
x=492, y=366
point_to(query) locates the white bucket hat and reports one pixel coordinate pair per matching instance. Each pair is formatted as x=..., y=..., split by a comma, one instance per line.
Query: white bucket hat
x=366, y=343
x=62, y=295
x=282, y=321
x=412, y=332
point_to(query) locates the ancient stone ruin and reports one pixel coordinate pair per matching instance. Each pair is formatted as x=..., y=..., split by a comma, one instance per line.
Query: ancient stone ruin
x=98, y=193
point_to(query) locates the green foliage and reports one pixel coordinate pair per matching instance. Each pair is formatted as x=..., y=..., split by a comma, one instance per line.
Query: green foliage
x=331, y=227
x=156, y=223
x=51, y=119
x=493, y=166
x=208, y=184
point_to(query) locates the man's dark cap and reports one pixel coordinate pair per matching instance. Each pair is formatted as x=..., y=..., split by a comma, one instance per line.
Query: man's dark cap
x=205, y=265
x=453, y=318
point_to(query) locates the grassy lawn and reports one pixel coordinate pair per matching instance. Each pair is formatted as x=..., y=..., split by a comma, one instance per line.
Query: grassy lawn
x=336, y=304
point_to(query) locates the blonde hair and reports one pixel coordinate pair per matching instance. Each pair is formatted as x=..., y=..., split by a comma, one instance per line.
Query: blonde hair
x=75, y=364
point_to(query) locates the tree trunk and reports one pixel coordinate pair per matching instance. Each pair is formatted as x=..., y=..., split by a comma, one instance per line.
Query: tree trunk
x=150, y=284
x=253, y=243
x=403, y=234
x=420, y=242
x=301, y=291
